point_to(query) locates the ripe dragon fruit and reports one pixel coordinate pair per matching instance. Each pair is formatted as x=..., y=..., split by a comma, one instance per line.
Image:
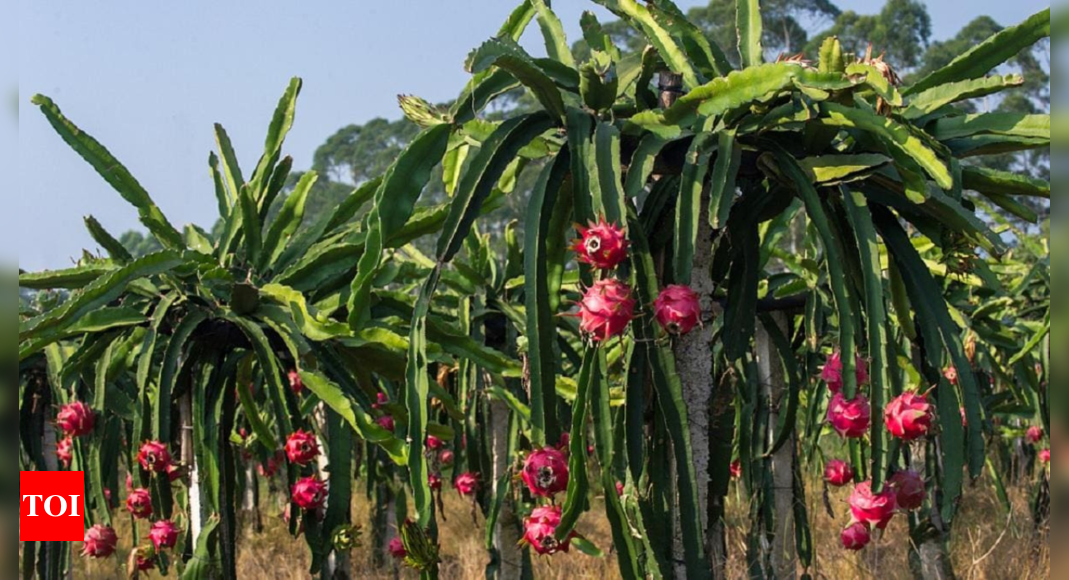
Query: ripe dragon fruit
x=909, y=417
x=139, y=504
x=851, y=419
x=309, y=494
x=76, y=419
x=144, y=559
x=100, y=542
x=65, y=451
x=868, y=508
x=736, y=469
x=296, y=383
x=833, y=372
x=856, y=537
x=434, y=443
x=1035, y=434
x=619, y=489
x=546, y=472
x=606, y=310
x=164, y=535
x=909, y=490
x=838, y=473
x=386, y=422
x=467, y=484
x=302, y=448
x=678, y=309
x=154, y=457
x=397, y=549
x=951, y=375
x=602, y=245
x=1044, y=456
x=434, y=482
x=446, y=458
x=382, y=401
x=540, y=531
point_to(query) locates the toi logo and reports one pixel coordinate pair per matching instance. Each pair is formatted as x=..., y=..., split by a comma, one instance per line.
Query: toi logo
x=51, y=506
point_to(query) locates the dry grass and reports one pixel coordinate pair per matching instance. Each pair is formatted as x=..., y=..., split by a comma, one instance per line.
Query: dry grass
x=988, y=545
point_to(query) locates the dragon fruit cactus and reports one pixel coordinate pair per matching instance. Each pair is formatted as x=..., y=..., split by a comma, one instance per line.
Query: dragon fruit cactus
x=467, y=484
x=838, y=473
x=540, y=531
x=100, y=542
x=856, y=537
x=851, y=419
x=397, y=549
x=872, y=509
x=309, y=494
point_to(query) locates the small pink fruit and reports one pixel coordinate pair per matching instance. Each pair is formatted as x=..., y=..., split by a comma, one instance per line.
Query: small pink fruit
x=546, y=472
x=851, y=419
x=868, y=508
x=382, y=400
x=65, y=451
x=434, y=482
x=856, y=537
x=467, y=484
x=606, y=310
x=838, y=473
x=76, y=419
x=434, y=443
x=678, y=309
x=910, y=492
x=397, y=549
x=302, y=448
x=309, y=494
x=602, y=245
x=1035, y=434
x=540, y=531
x=909, y=417
x=270, y=467
x=139, y=504
x=951, y=375
x=619, y=489
x=1044, y=456
x=565, y=441
x=154, y=457
x=296, y=383
x=145, y=560
x=736, y=469
x=100, y=542
x=163, y=535
x=833, y=372
x=386, y=422
x=446, y=457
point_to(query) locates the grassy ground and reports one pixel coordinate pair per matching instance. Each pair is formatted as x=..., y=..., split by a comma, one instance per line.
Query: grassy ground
x=988, y=544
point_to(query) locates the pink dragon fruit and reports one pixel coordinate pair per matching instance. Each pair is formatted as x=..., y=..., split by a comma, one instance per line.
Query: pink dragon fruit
x=164, y=535
x=446, y=457
x=736, y=469
x=145, y=560
x=296, y=383
x=833, y=372
x=909, y=490
x=309, y=494
x=76, y=419
x=100, y=542
x=540, y=531
x=851, y=419
x=434, y=482
x=678, y=309
x=602, y=245
x=909, y=417
x=546, y=472
x=386, y=422
x=951, y=375
x=397, y=549
x=139, y=504
x=302, y=448
x=1035, y=434
x=154, y=457
x=838, y=473
x=856, y=537
x=65, y=451
x=382, y=401
x=434, y=443
x=606, y=310
x=467, y=484
x=1044, y=456
x=619, y=489
x=868, y=508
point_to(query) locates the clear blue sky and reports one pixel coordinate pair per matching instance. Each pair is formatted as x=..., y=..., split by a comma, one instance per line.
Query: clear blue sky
x=148, y=79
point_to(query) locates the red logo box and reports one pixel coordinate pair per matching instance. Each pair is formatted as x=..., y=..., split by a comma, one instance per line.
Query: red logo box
x=51, y=506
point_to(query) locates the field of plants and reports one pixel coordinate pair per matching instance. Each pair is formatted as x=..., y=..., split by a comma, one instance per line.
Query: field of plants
x=679, y=311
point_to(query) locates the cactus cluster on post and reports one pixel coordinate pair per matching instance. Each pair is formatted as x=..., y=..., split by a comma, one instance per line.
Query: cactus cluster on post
x=380, y=339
